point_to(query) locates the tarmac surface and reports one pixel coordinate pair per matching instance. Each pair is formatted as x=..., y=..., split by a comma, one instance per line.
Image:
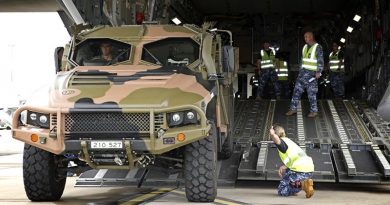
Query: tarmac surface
x=245, y=192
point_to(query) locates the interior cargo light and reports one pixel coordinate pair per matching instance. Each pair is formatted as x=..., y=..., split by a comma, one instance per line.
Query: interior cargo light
x=349, y=29
x=356, y=18
x=176, y=21
x=34, y=137
x=339, y=47
x=213, y=29
x=181, y=137
x=342, y=40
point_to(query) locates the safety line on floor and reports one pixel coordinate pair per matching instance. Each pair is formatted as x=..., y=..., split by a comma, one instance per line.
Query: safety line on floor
x=150, y=196
x=218, y=200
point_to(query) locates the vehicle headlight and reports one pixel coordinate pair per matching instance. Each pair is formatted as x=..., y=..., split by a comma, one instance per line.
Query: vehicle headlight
x=38, y=119
x=175, y=119
x=33, y=116
x=43, y=119
x=190, y=115
x=23, y=117
x=182, y=118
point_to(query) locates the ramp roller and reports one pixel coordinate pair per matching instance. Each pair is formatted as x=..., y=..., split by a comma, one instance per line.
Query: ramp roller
x=382, y=160
x=261, y=159
x=344, y=138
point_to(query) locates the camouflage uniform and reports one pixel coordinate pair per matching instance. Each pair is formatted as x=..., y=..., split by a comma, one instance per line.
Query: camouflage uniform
x=302, y=83
x=337, y=82
x=290, y=183
x=268, y=74
x=336, y=74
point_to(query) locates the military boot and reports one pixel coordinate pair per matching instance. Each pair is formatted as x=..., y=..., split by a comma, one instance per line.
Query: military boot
x=312, y=114
x=291, y=112
x=307, y=186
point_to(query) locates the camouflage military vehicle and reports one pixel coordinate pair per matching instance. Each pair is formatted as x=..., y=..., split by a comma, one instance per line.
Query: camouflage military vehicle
x=129, y=97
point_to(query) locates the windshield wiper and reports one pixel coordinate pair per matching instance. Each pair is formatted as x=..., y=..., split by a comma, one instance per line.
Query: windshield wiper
x=154, y=57
x=117, y=57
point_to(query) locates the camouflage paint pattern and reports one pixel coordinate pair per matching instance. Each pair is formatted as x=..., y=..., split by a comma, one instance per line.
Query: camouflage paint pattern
x=130, y=86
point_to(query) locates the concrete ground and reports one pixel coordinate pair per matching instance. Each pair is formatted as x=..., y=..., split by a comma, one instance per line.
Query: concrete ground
x=12, y=191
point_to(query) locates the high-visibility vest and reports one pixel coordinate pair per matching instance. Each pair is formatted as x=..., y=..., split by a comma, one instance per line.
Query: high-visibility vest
x=283, y=71
x=295, y=158
x=267, y=61
x=255, y=81
x=309, y=59
x=335, y=64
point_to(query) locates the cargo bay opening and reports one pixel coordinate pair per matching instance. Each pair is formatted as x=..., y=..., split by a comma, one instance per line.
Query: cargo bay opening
x=348, y=140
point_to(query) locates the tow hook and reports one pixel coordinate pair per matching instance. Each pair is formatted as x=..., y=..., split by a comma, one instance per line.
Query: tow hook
x=118, y=160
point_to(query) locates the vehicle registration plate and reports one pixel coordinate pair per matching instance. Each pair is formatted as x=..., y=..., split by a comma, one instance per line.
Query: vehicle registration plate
x=106, y=144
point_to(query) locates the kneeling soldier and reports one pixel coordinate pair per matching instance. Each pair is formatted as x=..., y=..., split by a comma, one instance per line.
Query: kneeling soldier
x=298, y=168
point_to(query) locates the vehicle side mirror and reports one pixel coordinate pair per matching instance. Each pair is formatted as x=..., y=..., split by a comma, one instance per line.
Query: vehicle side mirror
x=58, y=52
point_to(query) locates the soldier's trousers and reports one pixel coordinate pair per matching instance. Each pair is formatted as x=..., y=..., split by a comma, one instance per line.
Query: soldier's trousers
x=254, y=91
x=337, y=82
x=285, y=89
x=302, y=83
x=268, y=74
x=291, y=182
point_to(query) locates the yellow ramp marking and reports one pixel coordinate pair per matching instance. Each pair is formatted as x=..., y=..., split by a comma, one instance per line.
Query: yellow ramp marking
x=147, y=196
x=217, y=200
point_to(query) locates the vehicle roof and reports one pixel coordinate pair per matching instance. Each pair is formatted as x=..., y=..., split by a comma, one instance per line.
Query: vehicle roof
x=136, y=33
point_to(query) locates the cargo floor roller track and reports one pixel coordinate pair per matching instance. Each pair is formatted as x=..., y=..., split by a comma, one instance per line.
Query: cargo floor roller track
x=348, y=142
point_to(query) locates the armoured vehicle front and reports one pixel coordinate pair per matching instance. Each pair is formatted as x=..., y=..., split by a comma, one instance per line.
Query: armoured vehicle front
x=129, y=97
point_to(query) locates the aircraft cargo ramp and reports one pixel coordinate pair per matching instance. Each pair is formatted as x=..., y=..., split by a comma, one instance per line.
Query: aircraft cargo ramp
x=348, y=141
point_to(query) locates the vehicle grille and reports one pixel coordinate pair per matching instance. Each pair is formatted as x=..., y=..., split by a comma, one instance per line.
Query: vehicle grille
x=99, y=123
x=53, y=119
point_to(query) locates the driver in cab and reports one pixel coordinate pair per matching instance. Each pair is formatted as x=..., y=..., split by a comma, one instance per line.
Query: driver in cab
x=106, y=53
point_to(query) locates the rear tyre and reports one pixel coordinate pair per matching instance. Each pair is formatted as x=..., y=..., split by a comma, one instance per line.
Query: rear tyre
x=200, y=163
x=43, y=180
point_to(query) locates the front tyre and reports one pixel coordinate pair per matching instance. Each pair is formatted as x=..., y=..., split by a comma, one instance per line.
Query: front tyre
x=43, y=180
x=200, y=169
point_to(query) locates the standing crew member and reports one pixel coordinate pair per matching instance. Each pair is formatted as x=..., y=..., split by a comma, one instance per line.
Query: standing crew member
x=336, y=71
x=312, y=66
x=298, y=168
x=266, y=64
x=283, y=78
x=254, y=82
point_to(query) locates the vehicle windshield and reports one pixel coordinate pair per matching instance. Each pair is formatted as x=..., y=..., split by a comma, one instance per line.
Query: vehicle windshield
x=101, y=52
x=171, y=51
